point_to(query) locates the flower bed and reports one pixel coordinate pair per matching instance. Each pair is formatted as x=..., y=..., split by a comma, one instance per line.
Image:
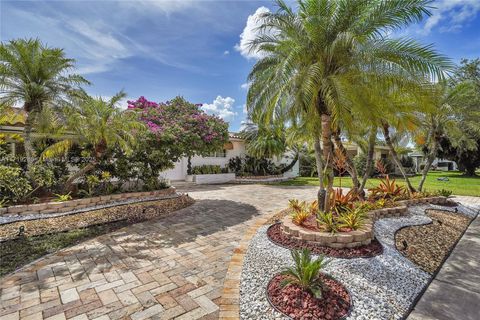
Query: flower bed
x=338, y=240
x=307, y=230
x=66, y=206
x=427, y=245
x=131, y=212
x=298, y=304
x=277, y=236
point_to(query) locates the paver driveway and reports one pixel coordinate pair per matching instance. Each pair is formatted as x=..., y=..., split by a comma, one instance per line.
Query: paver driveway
x=160, y=269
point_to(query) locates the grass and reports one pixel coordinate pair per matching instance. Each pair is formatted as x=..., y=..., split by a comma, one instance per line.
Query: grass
x=16, y=253
x=458, y=184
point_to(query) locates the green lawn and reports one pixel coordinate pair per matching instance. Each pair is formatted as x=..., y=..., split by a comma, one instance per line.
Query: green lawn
x=460, y=185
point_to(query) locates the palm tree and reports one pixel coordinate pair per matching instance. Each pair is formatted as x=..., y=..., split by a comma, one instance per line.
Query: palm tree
x=33, y=74
x=98, y=125
x=316, y=55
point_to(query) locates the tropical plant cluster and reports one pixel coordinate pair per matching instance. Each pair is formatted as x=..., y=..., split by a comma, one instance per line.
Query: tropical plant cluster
x=333, y=71
x=209, y=169
x=110, y=149
x=253, y=166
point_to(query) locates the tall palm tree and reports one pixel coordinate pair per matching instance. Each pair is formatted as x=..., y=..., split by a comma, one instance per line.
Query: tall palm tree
x=98, y=125
x=33, y=74
x=317, y=53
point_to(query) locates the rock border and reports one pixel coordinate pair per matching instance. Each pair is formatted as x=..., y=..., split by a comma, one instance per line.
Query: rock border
x=356, y=238
x=337, y=240
x=84, y=203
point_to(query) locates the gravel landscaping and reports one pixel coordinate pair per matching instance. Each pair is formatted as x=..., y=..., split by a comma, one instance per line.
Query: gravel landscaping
x=428, y=245
x=382, y=287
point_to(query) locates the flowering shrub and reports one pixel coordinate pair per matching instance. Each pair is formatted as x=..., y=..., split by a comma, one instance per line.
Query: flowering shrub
x=182, y=123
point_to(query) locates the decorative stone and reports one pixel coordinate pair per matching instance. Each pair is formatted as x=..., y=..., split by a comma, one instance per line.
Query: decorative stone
x=344, y=237
x=353, y=244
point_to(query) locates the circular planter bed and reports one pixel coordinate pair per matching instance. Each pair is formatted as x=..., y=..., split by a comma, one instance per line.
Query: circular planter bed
x=296, y=303
x=338, y=240
x=277, y=236
x=428, y=245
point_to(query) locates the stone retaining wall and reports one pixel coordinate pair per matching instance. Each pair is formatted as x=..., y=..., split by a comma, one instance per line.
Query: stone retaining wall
x=356, y=238
x=66, y=206
x=337, y=240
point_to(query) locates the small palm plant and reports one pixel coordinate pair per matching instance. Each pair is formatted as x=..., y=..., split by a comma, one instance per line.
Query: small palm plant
x=306, y=272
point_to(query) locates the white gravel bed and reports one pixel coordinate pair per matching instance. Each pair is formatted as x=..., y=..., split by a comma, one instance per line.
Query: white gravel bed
x=382, y=287
x=23, y=217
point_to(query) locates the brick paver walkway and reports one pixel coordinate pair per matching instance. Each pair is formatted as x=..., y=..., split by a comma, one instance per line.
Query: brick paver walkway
x=161, y=269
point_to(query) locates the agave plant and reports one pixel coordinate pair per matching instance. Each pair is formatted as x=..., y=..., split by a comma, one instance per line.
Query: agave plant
x=387, y=189
x=306, y=272
x=352, y=219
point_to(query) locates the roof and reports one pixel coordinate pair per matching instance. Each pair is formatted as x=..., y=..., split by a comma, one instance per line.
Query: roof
x=234, y=135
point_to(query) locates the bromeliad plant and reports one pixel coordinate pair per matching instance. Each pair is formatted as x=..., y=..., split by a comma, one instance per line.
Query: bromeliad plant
x=352, y=219
x=306, y=272
x=340, y=202
x=326, y=221
x=388, y=189
x=300, y=211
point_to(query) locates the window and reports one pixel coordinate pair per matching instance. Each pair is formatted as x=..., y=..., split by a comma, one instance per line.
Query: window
x=222, y=153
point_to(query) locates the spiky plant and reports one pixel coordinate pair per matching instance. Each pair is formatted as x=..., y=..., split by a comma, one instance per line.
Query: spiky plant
x=326, y=221
x=352, y=219
x=306, y=272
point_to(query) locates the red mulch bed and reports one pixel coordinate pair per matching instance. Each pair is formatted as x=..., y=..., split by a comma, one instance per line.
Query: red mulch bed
x=277, y=236
x=299, y=304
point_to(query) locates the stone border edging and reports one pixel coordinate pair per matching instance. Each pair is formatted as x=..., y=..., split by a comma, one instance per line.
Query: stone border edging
x=230, y=300
x=338, y=240
x=66, y=206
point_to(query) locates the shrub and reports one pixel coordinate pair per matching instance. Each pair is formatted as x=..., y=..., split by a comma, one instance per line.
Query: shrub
x=360, y=163
x=306, y=272
x=326, y=221
x=207, y=169
x=62, y=197
x=13, y=185
x=341, y=202
x=352, y=219
x=42, y=175
x=444, y=193
x=387, y=189
x=300, y=211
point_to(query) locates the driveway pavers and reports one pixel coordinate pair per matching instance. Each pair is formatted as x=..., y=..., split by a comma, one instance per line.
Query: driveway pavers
x=159, y=269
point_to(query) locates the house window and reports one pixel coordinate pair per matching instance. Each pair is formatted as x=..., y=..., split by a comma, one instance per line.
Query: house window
x=222, y=153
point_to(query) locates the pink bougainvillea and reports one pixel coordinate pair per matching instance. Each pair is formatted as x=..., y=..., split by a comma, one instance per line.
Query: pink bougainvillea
x=182, y=123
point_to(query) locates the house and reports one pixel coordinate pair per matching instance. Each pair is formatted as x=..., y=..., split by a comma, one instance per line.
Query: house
x=438, y=164
x=236, y=146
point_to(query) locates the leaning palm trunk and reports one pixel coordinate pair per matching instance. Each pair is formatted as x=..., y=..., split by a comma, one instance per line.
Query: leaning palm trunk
x=395, y=157
x=69, y=183
x=430, y=159
x=291, y=164
x=318, y=161
x=327, y=146
x=370, y=153
x=29, y=150
x=350, y=166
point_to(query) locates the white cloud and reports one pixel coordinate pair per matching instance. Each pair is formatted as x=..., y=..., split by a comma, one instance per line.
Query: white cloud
x=226, y=52
x=245, y=110
x=250, y=32
x=245, y=85
x=222, y=107
x=165, y=6
x=455, y=13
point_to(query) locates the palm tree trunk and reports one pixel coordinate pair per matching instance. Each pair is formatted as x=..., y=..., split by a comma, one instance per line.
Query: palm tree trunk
x=291, y=164
x=369, y=164
x=78, y=174
x=394, y=155
x=430, y=158
x=318, y=161
x=29, y=150
x=327, y=146
x=350, y=166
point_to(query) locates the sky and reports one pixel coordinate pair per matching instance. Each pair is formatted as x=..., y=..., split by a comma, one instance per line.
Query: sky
x=193, y=48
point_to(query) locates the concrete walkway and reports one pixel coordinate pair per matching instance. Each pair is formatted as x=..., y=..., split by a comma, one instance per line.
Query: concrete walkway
x=455, y=291
x=160, y=269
